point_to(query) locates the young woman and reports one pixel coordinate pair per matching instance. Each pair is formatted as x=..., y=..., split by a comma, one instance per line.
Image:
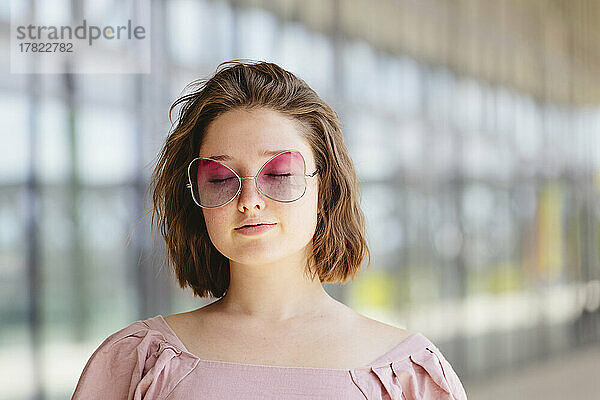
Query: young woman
x=257, y=200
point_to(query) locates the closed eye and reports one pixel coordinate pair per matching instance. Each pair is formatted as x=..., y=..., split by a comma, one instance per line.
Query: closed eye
x=219, y=180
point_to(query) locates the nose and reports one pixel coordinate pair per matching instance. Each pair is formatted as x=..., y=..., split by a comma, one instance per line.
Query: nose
x=250, y=197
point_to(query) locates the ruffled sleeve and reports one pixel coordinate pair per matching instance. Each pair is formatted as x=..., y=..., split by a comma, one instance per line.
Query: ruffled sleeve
x=134, y=363
x=424, y=374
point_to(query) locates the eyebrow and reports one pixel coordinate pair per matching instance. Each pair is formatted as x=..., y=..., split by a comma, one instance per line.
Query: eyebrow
x=225, y=157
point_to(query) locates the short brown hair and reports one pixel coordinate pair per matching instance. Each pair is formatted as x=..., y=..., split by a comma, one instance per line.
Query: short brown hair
x=339, y=243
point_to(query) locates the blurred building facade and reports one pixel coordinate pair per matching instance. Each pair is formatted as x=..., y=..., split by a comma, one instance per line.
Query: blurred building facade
x=475, y=131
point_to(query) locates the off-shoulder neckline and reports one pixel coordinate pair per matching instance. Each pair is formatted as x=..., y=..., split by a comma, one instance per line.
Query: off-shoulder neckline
x=399, y=352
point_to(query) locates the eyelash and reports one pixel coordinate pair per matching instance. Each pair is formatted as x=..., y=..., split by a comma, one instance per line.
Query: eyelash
x=223, y=180
x=219, y=180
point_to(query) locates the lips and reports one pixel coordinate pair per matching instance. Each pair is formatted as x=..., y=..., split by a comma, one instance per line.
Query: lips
x=252, y=230
x=251, y=225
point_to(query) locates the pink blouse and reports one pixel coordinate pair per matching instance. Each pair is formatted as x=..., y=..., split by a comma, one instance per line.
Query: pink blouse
x=146, y=360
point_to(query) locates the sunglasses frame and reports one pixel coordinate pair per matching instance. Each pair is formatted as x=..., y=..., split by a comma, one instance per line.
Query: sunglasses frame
x=240, y=178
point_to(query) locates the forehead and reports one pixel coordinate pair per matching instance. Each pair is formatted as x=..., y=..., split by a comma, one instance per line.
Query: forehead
x=243, y=134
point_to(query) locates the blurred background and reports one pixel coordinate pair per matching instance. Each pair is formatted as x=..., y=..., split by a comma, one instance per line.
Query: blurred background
x=475, y=131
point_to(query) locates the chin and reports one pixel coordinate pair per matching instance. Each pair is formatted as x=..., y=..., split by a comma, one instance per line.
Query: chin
x=255, y=252
x=255, y=259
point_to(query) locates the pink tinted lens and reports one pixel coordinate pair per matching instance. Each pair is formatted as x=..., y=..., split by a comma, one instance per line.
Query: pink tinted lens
x=215, y=184
x=282, y=178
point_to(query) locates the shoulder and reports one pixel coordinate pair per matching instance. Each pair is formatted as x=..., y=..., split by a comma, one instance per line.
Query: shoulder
x=413, y=369
x=179, y=321
x=369, y=338
x=138, y=333
x=378, y=332
x=413, y=373
x=119, y=363
x=411, y=357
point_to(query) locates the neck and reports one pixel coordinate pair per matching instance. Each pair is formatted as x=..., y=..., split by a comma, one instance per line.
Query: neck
x=273, y=292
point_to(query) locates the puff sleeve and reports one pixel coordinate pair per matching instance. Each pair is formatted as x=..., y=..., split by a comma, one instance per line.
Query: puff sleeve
x=134, y=363
x=423, y=375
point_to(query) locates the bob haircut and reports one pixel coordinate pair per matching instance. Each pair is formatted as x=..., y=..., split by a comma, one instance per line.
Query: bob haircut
x=338, y=246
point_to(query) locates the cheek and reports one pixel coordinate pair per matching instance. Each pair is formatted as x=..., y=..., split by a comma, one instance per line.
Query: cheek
x=208, y=218
x=305, y=216
x=215, y=221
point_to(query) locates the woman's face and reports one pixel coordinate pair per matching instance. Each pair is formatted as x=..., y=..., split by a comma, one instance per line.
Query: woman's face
x=245, y=136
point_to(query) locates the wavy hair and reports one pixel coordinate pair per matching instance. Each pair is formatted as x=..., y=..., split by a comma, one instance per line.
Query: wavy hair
x=339, y=244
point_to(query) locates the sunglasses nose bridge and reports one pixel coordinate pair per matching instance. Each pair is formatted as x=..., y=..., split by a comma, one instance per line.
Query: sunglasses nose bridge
x=244, y=178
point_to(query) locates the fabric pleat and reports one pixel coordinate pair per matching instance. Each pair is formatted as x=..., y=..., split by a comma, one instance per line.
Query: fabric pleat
x=134, y=364
x=424, y=374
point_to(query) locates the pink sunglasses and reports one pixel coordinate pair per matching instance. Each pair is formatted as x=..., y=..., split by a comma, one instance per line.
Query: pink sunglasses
x=282, y=178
